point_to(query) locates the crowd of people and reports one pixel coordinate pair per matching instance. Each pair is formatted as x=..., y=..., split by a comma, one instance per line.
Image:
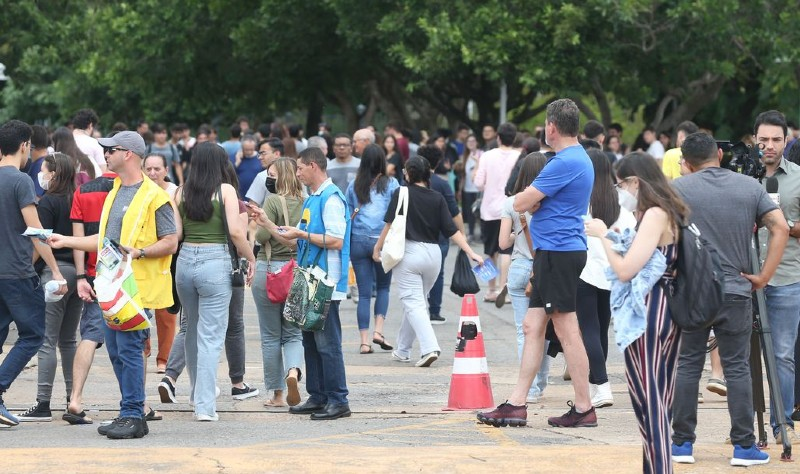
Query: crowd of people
x=583, y=229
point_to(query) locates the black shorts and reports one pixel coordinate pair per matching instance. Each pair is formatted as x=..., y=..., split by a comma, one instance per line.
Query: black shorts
x=490, y=233
x=555, y=280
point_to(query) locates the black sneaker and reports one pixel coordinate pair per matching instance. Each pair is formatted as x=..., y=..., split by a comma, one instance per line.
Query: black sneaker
x=437, y=319
x=796, y=413
x=127, y=428
x=166, y=391
x=38, y=412
x=105, y=426
x=243, y=393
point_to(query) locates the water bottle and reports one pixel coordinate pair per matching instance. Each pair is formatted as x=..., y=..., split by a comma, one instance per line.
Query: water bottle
x=49, y=292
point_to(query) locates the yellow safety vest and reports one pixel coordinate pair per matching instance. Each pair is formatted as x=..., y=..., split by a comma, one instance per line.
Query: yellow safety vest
x=138, y=231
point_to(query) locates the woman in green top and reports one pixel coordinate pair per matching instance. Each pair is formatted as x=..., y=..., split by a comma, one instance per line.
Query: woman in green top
x=281, y=370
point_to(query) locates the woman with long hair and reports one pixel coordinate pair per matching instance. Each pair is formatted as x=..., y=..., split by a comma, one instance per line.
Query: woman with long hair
x=394, y=161
x=513, y=233
x=281, y=342
x=428, y=216
x=204, y=268
x=594, y=290
x=369, y=195
x=85, y=168
x=57, y=178
x=651, y=361
x=470, y=192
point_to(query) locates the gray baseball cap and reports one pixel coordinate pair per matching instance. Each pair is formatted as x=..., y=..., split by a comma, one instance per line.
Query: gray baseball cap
x=128, y=140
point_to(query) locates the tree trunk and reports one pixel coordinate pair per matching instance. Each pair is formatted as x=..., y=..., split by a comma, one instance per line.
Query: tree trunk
x=313, y=114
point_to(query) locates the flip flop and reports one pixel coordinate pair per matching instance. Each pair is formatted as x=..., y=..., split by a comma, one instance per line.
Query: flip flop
x=381, y=342
x=370, y=351
x=153, y=415
x=76, y=419
x=271, y=404
x=293, y=394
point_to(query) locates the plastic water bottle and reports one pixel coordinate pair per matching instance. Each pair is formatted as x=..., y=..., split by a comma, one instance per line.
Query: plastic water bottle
x=49, y=292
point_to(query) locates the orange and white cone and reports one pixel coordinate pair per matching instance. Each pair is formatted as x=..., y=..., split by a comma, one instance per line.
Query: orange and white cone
x=470, y=387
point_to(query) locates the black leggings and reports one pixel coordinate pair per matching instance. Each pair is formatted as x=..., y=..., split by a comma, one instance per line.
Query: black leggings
x=467, y=199
x=594, y=317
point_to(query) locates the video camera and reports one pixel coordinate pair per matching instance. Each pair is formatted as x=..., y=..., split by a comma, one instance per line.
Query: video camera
x=743, y=159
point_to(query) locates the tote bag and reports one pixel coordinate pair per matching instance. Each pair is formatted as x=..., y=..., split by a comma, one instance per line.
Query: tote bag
x=394, y=247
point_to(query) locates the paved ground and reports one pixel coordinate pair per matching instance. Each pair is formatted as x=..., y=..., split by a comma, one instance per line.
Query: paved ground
x=397, y=425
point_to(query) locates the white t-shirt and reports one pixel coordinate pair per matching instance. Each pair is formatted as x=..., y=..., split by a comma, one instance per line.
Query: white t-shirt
x=656, y=150
x=91, y=148
x=594, y=273
x=469, y=167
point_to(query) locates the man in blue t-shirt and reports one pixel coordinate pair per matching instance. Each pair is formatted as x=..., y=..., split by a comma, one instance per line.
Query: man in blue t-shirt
x=558, y=199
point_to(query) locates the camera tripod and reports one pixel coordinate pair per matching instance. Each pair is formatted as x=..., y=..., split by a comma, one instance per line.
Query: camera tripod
x=762, y=339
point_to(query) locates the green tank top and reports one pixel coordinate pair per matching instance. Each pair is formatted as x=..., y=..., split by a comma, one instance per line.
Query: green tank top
x=199, y=232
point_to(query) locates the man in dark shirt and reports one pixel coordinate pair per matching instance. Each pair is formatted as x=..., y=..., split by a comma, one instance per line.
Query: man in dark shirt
x=21, y=294
x=725, y=206
x=433, y=154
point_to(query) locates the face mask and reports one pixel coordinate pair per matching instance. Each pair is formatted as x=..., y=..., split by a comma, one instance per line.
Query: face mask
x=44, y=183
x=271, y=184
x=627, y=200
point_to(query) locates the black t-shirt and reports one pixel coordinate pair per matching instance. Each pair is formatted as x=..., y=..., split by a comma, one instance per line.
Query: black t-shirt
x=428, y=215
x=53, y=210
x=396, y=160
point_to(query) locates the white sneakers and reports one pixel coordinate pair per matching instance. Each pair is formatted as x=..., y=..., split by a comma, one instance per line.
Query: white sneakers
x=601, y=395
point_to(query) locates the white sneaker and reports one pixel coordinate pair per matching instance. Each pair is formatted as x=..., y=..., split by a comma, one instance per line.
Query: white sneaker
x=213, y=417
x=602, y=396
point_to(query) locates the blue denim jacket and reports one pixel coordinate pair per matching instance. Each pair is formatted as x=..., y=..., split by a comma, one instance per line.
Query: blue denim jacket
x=369, y=220
x=627, y=298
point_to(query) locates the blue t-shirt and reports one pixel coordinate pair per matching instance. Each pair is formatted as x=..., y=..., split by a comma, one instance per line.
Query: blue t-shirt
x=369, y=220
x=247, y=171
x=231, y=148
x=567, y=181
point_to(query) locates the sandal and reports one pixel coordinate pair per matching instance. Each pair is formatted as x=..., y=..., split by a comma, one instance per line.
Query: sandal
x=490, y=297
x=369, y=351
x=76, y=418
x=153, y=415
x=381, y=342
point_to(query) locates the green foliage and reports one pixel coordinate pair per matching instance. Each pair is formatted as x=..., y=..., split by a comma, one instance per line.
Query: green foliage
x=413, y=60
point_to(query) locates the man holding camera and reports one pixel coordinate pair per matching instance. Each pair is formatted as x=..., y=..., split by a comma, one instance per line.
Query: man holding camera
x=783, y=290
x=727, y=223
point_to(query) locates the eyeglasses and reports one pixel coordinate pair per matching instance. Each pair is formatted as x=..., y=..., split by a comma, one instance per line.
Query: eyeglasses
x=264, y=153
x=619, y=185
x=111, y=150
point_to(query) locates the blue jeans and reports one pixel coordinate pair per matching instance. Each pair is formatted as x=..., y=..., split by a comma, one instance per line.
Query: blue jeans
x=368, y=271
x=126, y=351
x=435, y=296
x=783, y=311
x=519, y=273
x=326, y=381
x=276, y=332
x=21, y=301
x=203, y=280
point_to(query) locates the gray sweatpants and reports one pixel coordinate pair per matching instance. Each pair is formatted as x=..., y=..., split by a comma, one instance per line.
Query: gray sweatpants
x=60, y=330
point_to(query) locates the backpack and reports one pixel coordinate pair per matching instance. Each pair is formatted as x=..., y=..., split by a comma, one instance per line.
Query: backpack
x=696, y=293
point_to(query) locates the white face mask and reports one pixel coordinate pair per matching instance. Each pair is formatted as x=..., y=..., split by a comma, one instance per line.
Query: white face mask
x=627, y=200
x=43, y=183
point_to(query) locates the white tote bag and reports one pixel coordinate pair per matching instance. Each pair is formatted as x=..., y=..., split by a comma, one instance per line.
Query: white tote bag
x=395, y=244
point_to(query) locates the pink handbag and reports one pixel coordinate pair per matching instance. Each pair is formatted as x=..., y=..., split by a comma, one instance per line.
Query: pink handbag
x=278, y=283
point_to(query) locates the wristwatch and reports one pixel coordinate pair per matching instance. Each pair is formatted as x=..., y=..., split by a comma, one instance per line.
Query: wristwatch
x=791, y=224
x=141, y=254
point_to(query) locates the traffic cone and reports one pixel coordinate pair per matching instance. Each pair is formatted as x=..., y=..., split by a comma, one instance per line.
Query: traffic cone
x=470, y=387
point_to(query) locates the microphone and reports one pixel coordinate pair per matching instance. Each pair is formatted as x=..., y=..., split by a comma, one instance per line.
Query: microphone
x=772, y=190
